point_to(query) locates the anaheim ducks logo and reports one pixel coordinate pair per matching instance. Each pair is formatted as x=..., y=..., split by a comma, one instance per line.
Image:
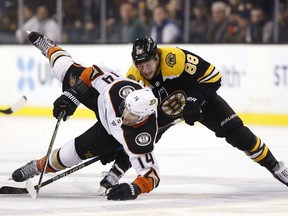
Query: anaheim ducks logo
x=125, y=90
x=72, y=80
x=143, y=139
x=170, y=59
x=172, y=105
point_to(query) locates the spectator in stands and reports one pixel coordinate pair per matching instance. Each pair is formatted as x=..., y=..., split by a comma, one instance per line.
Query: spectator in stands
x=260, y=29
x=7, y=23
x=199, y=23
x=27, y=13
x=112, y=16
x=163, y=29
x=176, y=12
x=243, y=20
x=283, y=24
x=129, y=27
x=219, y=23
x=237, y=27
x=72, y=32
x=235, y=6
x=143, y=13
x=42, y=23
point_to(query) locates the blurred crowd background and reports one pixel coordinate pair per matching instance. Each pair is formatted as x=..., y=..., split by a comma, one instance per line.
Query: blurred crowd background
x=167, y=21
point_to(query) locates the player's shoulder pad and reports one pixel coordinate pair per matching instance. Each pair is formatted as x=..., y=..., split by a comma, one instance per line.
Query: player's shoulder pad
x=140, y=140
x=133, y=73
x=172, y=61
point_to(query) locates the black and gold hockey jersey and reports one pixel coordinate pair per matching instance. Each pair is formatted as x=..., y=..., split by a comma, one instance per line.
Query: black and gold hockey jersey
x=180, y=74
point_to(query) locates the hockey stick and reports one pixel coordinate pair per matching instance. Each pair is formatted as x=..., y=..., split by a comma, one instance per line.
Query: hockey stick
x=17, y=190
x=16, y=106
x=32, y=190
x=38, y=186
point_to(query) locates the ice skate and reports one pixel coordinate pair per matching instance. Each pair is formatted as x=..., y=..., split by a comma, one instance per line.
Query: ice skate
x=281, y=173
x=25, y=172
x=42, y=42
x=107, y=182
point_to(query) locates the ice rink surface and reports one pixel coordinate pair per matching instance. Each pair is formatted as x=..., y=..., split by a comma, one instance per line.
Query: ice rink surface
x=200, y=174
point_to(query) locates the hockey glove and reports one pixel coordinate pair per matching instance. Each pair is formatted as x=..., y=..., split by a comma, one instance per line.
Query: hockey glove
x=67, y=102
x=192, y=110
x=124, y=191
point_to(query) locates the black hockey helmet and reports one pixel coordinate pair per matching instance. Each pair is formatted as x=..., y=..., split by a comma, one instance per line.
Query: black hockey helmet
x=143, y=50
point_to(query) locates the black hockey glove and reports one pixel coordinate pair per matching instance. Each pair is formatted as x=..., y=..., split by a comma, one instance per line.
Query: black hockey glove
x=67, y=102
x=124, y=191
x=192, y=110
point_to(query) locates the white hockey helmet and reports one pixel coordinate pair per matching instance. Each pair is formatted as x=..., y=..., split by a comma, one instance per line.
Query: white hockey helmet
x=141, y=102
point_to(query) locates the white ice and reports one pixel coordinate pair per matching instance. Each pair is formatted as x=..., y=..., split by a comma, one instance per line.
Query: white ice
x=200, y=174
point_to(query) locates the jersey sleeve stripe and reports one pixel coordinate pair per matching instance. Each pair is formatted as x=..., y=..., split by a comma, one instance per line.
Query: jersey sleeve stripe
x=85, y=76
x=212, y=79
x=210, y=69
x=212, y=76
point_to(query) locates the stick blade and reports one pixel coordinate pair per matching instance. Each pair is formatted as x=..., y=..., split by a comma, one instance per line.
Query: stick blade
x=19, y=104
x=12, y=190
x=31, y=189
x=16, y=106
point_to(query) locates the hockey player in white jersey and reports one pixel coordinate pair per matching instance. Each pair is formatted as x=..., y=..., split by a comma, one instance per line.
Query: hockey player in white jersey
x=127, y=118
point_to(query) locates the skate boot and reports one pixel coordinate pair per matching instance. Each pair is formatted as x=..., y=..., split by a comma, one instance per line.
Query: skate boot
x=42, y=42
x=281, y=173
x=110, y=179
x=25, y=172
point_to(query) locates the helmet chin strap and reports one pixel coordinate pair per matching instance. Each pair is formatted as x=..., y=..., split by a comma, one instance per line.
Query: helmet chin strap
x=119, y=120
x=141, y=119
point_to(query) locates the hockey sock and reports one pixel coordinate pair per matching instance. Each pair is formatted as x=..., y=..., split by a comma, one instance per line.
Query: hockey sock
x=261, y=154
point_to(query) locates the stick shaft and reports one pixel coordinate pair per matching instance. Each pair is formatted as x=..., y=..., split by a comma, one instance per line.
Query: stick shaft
x=38, y=186
x=70, y=171
x=15, y=190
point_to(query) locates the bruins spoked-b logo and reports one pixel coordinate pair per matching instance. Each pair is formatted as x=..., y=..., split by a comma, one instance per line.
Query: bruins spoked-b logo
x=172, y=105
x=131, y=76
x=170, y=59
x=143, y=139
x=126, y=90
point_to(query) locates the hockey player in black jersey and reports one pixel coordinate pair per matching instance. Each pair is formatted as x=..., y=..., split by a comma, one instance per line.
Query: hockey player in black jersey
x=186, y=87
x=127, y=118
